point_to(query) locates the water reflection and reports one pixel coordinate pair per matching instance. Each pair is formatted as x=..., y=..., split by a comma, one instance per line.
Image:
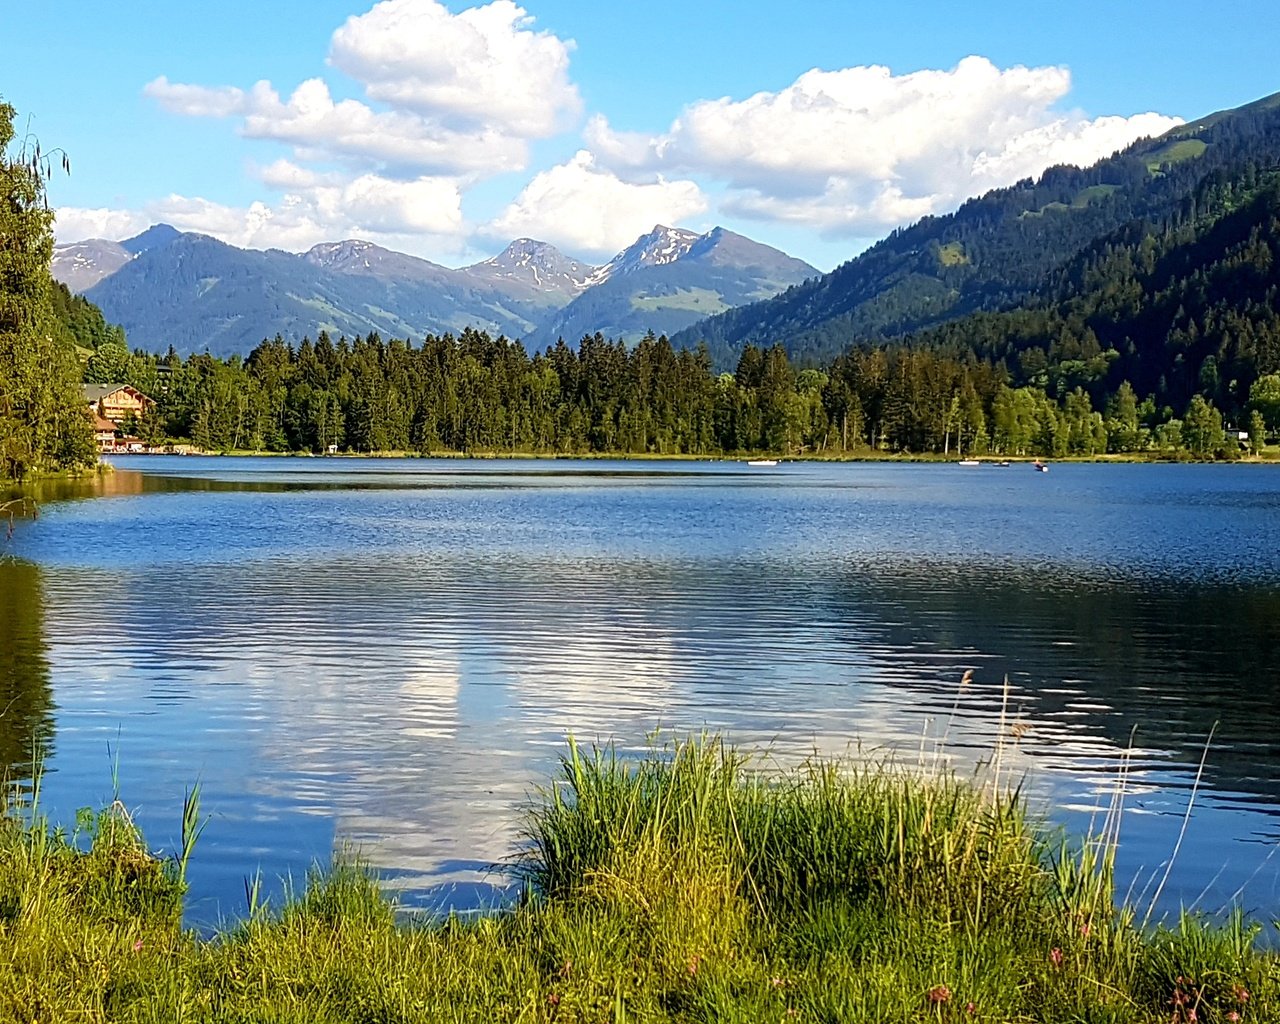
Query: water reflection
x=1165, y=663
x=104, y=484
x=26, y=704
x=397, y=665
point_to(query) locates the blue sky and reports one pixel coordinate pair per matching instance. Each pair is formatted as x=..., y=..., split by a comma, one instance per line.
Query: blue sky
x=447, y=129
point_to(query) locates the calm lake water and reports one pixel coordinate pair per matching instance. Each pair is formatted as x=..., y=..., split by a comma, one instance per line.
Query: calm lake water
x=389, y=654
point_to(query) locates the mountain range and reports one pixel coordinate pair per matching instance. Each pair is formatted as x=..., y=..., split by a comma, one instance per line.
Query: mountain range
x=195, y=293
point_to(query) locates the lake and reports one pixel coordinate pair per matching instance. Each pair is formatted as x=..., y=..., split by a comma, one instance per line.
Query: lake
x=388, y=655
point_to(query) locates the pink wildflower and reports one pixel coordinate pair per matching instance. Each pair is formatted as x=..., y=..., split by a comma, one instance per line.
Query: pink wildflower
x=137, y=946
x=939, y=994
x=1055, y=955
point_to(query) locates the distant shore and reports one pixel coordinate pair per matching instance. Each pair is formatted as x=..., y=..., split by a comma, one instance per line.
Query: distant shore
x=1270, y=456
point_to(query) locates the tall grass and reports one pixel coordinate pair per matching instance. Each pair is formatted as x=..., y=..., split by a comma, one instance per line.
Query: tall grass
x=785, y=843
x=684, y=885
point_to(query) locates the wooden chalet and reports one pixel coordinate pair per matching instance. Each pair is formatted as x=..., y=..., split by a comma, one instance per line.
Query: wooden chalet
x=118, y=402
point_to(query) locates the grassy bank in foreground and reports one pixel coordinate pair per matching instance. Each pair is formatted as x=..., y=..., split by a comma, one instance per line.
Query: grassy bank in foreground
x=679, y=887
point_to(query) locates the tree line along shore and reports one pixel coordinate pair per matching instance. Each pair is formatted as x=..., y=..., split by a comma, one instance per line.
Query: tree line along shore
x=477, y=394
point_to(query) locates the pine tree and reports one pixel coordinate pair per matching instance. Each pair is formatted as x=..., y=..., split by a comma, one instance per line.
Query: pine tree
x=43, y=419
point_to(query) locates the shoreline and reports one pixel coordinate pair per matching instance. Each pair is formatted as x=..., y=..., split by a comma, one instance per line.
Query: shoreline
x=1270, y=457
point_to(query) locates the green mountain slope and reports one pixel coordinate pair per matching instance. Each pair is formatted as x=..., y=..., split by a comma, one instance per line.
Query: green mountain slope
x=999, y=249
x=1188, y=306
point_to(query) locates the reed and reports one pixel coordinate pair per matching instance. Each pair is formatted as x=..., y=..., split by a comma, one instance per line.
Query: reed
x=685, y=884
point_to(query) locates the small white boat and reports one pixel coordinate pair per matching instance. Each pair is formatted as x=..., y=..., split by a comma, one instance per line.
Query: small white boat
x=969, y=462
x=762, y=462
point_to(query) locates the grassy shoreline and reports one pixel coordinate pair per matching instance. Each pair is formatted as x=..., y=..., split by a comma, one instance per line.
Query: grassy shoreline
x=681, y=886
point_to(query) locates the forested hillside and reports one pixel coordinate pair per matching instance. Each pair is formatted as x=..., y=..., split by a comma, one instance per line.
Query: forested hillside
x=1177, y=309
x=998, y=250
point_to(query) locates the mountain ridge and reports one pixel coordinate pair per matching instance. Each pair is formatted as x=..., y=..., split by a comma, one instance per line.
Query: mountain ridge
x=669, y=277
x=995, y=249
x=194, y=292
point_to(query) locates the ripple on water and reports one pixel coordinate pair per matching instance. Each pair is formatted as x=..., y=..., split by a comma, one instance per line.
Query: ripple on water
x=391, y=654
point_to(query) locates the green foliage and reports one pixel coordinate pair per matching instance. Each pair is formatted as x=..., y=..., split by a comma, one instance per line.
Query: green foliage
x=43, y=424
x=952, y=255
x=1264, y=399
x=1257, y=432
x=1122, y=425
x=84, y=322
x=682, y=885
x=1201, y=427
x=478, y=394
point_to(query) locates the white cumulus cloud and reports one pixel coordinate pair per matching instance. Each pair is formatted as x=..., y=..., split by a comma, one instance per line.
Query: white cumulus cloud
x=76, y=223
x=453, y=99
x=466, y=93
x=482, y=66
x=587, y=209
x=374, y=205
x=858, y=150
x=321, y=129
x=1065, y=141
x=196, y=100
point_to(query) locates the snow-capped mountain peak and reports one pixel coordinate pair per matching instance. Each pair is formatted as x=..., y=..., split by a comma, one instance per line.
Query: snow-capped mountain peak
x=343, y=254
x=81, y=265
x=537, y=264
x=659, y=246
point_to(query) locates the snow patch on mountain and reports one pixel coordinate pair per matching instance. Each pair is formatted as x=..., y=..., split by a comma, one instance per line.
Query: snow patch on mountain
x=344, y=254
x=81, y=265
x=539, y=265
x=661, y=245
